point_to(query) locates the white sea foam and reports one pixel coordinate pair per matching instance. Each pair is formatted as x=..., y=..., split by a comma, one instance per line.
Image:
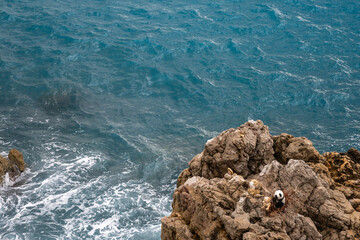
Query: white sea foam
x=342, y=64
x=84, y=208
x=7, y=181
x=121, y=220
x=278, y=12
x=203, y=17
x=302, y=19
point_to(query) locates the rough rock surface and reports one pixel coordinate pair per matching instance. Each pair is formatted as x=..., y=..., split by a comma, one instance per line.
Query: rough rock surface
x=344, y=169
x=13, y=165
x=227, y=191
x=246, y=150
x=288, y=147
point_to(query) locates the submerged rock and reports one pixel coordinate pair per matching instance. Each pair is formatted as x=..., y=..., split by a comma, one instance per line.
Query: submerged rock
x=227, y=191
x=13, y=165
x=58, y=101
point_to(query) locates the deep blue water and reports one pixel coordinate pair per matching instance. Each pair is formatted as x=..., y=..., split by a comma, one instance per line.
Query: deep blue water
x=108, y=100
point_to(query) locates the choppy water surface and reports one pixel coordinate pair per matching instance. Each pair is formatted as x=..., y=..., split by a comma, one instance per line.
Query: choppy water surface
x=108, y=100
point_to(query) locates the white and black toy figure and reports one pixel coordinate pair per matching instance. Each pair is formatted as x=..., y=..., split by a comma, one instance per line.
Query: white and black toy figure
x=278, y=199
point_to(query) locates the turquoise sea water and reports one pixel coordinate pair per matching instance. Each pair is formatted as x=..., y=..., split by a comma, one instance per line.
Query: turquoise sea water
x=108, y=100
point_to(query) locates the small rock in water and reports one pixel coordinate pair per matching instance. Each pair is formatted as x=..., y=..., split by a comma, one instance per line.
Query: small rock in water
x=17, y=158
x=11, y=166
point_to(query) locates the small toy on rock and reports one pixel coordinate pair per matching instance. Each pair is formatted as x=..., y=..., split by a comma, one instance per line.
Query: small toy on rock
x=254, y=187
x=279, y=199
x=267, y=204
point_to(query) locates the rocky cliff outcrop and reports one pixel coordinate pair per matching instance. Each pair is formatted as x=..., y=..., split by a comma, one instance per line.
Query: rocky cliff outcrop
x=14, y=165
x=228, y=190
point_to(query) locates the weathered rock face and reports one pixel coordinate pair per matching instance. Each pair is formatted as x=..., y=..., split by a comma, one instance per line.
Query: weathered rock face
x=13, y=165
x=227, y=191
x=344, y=169
x=289, y=147
x=245, y=149
x=311, y=197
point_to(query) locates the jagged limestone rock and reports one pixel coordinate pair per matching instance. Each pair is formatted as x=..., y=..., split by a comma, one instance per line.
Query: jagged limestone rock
x=245, y=150
x=312, y=196
x=223, y=192
x=174, y=228
x=345, y=172
x=288, y=147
